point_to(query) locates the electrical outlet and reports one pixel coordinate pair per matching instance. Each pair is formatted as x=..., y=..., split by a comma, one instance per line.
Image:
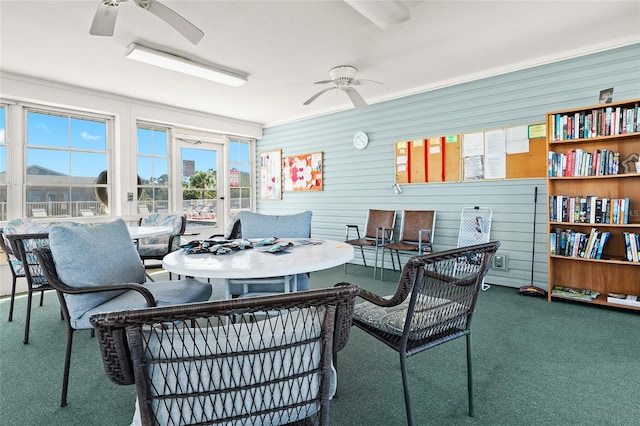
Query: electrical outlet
x=500, y=261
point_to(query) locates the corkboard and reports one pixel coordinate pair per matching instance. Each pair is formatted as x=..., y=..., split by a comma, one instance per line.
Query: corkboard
x=532, y=164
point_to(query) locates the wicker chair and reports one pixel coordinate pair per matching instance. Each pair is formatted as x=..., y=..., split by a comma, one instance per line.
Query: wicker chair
x=416, y=235
x=22, y=240
x=378, y=232
x=153, y=249
x=263, y=360
x=97, y=269
x=15, y=266
x=433, y=304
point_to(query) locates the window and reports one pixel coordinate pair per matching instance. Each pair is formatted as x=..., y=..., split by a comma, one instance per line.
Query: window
x=66, y=165
x=3, y=164
x=240, y=188
x=153, y=170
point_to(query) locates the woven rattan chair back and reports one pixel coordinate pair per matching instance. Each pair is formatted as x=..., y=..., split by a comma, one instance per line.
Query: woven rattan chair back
x=155, y=248
x=262, y=360
x=15, y=266
x=22, y=246
x=433, y=304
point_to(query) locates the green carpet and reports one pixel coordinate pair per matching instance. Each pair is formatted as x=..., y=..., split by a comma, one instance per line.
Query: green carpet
x=535, y=363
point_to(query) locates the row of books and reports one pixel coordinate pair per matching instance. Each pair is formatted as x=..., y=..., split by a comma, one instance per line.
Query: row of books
x=632, y=246
x=567, y=242
x=588, y=209
x=576, y=293
x=604, y=121
x=588, y=295
x=578, y=162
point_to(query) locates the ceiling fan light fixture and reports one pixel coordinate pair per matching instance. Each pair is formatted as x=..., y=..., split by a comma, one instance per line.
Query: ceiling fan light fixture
x=183, y=65
x=383, y=14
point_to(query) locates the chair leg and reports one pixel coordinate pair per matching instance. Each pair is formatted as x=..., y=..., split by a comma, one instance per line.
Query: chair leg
x=363, y=258
x=67, y=364
x=26, y=325
x=405, y=385
x=375, y=265
x=382, y=270
x=13, y=297
x=41, y=297
x=469, y=375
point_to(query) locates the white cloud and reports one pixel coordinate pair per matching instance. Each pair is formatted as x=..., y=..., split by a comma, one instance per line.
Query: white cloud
x=89, y=137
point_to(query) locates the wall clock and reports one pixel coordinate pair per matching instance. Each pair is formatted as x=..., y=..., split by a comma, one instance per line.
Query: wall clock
x=360, y=140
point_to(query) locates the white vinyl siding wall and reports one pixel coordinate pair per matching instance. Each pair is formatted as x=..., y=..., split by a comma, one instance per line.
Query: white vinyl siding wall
x=355, y=181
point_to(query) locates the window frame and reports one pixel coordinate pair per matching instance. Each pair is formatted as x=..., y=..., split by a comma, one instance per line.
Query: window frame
x=152, y=187
x=105, y=188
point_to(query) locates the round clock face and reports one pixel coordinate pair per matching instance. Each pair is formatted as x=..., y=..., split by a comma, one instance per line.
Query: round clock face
x=360, y=140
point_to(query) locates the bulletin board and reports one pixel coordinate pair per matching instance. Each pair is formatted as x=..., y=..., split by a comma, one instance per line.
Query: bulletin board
x=302, y=172
x=507, y=153
x=271, y=175
x=428, y=160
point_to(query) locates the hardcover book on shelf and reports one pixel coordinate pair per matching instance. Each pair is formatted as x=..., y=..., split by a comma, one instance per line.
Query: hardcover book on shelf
x=576, y=293
x=624, y=299
x=603, y=240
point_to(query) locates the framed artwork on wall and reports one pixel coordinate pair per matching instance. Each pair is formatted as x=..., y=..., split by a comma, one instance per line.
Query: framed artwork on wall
x=302, y=172
x=271, y=175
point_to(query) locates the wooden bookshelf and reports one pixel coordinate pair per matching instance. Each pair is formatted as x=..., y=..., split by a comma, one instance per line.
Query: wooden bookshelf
x=612, y=129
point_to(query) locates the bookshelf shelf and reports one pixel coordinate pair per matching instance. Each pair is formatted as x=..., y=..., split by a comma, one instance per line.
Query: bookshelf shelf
x=600, y=300
x=597, y=225
x=618, y=261
x=622, y=176
x=591, y=195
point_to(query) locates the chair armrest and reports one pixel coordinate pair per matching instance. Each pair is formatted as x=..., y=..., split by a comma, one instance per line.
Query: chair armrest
x=383, y=235
x=344, y=317
x=346, y=238
x=378, y=300
x=47, y=263
x=429, y=243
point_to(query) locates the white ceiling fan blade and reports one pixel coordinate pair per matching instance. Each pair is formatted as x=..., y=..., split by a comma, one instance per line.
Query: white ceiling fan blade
x=314, y=97
x=356, y=98
x=323, y=82
x=383, y=14
x=104, y=20
x=184, y=27
x=365, y=81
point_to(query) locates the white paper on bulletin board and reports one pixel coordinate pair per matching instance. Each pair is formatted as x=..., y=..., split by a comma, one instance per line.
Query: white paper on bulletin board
x=517, y=139
x=495, y=158
x=472, y=144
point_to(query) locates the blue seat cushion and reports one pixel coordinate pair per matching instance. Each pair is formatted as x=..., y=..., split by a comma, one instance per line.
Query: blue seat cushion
x=165, y=292
x=256, y=225
x=89, y=256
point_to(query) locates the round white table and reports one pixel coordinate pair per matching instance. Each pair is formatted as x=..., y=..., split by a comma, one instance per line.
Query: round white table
x=137, y=232
x=256, y=263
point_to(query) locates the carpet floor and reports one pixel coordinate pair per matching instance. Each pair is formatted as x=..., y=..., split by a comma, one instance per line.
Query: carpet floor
x=535, y=363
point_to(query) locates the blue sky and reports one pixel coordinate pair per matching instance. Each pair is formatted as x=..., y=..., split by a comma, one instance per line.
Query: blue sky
x=50, y=136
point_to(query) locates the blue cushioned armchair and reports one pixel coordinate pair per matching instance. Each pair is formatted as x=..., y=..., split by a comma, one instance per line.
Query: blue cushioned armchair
x=251, y=225
x=97, y=269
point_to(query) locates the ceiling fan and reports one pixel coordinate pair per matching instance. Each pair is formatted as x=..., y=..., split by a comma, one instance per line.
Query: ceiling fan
x=342, y=78
x=105, y=19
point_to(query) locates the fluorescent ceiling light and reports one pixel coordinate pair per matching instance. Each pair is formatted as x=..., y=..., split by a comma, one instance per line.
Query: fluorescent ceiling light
x=382, y=13
x=183, y=65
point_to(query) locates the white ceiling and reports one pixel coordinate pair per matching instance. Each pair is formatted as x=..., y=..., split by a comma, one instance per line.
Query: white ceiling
x=286, y=46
